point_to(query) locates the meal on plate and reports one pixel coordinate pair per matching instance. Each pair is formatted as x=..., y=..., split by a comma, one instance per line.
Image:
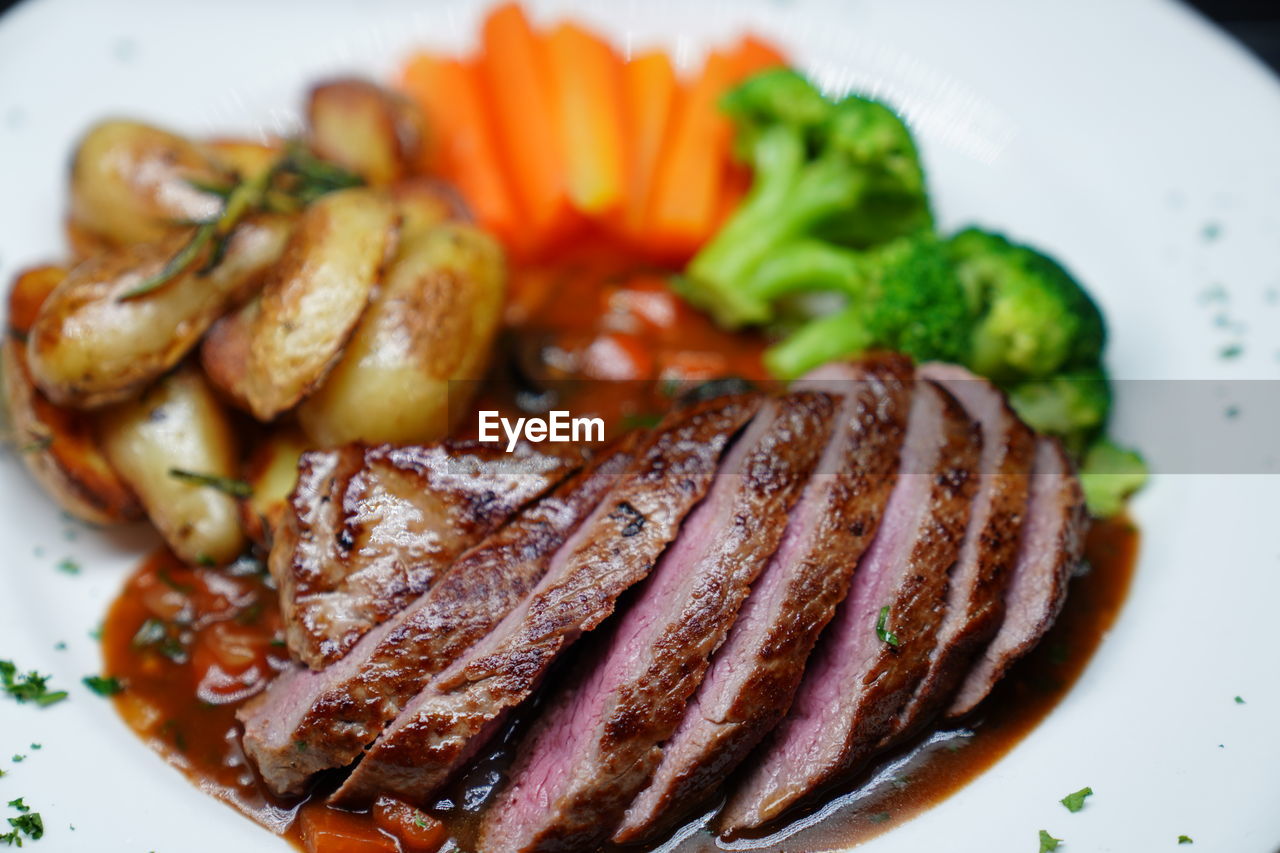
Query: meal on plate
x=554, y=451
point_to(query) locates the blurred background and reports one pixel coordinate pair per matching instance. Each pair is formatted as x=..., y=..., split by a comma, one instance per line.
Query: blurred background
x=1254, y=23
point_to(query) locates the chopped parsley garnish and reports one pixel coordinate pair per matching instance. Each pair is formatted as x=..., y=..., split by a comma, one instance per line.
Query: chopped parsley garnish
x=885, y=635
x=1185, y=839
x=1231, y=351
x=1075, y=802
x=1239, y=701
x=30, y=823
x=69, y=566
x=28, y=687
x=18, y=758
x=159, y=636
x=37, y=746
x=19, y=805
x=103, y=686
x=227, y=485
x=1048, y=842
x=205, y=561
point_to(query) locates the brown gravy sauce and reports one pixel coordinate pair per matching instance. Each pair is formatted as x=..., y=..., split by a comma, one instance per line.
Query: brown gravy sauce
x=219, y=640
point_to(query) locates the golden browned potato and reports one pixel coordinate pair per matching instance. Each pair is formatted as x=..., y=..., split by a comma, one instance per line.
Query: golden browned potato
x=433, y=321
x=131, y=182
x=57, y=445
x=271, y=471
x=242, y=157
x=89, y=347
x=363, y=127
x=272, y=352
x=178, y=425
x=424, y=203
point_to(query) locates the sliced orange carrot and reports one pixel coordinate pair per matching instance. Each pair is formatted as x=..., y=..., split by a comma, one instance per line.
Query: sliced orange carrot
x=462, y=145
x=650, y=91
x=513, y=67
x=685, y=199
x=586, y=82
x=753, y=54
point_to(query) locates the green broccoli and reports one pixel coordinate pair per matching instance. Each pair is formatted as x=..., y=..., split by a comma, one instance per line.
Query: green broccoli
x=814, y=165
x=1074, y=404
x=902, y=296
x=1109, y=475
x=1037, y=318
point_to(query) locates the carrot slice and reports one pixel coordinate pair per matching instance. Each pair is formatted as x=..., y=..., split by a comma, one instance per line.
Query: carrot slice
x=753, y=54
x=462, y=141
x=685, y=200
x=513, y=67
x=650, y=91
x=586, y=80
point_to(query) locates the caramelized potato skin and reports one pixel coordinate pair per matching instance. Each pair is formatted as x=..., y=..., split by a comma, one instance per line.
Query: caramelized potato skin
x=363, y=127
x=179, y=423
x=131, y=182
x=272, y=471
x=273, y=351
x=57, y=445
x=433, y=322
x=90, y=348
x=243, y=158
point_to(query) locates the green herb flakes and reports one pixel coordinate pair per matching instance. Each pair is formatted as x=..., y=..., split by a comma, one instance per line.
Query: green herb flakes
x=19, y=805
x=1075, y=802
x=885, y=635
x=103, y=686
x=28, y=687
x=227, y=485
x=1185, y=839
x=68, y=566
x=1048, y=842
x=1239, y=701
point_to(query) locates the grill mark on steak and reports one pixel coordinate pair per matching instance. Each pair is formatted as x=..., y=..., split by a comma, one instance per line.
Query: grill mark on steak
x=856, y=682
x=367, y=530
x=754, y=676
x=450, y=719
x=1051, y=546
x=308, y=721
x=975, y=598
x=593, y=749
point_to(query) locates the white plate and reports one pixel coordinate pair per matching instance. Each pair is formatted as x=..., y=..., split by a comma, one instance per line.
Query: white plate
x=1110, y=133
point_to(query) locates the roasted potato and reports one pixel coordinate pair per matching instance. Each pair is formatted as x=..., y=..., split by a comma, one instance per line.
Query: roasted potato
x=433, y=321
x=424, y=203
x=88, y=347
x=242, y=157
x=272, y=352
x=271, y=471
x=178, y=425
x=131, y=182
x=57, y=445
x=373, y=132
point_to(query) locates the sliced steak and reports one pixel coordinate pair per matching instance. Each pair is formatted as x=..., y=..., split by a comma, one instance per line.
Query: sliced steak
x=614, y=548
x=1051, y=546
x=753, y=677
x=307, y=720
x=594, y=747
x=975, y=598
x=367, y=530
x=877, y=648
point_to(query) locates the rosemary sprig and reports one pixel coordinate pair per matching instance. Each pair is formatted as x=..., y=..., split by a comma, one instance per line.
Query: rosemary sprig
x=227, y=485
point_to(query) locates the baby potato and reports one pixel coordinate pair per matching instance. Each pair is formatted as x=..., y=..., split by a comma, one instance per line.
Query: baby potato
x=272, y=352
x=178, y=424
x=433, y=321
x=243, y=158
x=271, y=471
x=89, y=348
x=424, y=203
x=363, y=127
x=57, y=445
x=131, y=182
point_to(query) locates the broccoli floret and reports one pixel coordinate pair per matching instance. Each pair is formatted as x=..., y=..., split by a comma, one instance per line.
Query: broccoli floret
x=814, y=165
x=1074, y=404
x=1037, y=319
x=1110, y=475
x=903, y=296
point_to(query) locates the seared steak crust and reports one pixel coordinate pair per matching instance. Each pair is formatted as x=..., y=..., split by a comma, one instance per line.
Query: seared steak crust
x=613, y=549
x=754, y=676
x=308, y=721
x=593, y=749
x=877, y=648
x=368, y=529
x=1051, y=546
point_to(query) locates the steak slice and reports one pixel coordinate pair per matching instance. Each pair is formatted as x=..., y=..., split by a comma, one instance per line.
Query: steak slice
x=307, y=720
x=975, y=598
x=753, y=677
x=1051, y=546
x=876, y=650
x=593, y=749
x=368, y=529
x=614, y=548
